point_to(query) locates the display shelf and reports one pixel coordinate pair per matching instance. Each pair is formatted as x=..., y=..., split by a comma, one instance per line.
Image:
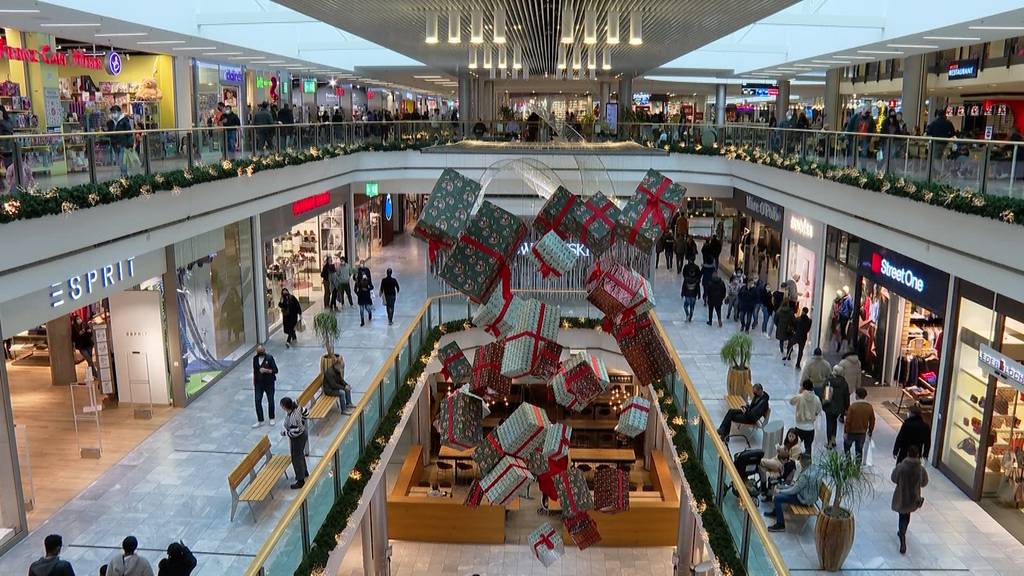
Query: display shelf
x=970, y=433
x=970, y=460
x=969, y=403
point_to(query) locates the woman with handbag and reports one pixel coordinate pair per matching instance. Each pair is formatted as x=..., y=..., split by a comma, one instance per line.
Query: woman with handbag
x=910, y=477
x=298, y=438
x=290, y=313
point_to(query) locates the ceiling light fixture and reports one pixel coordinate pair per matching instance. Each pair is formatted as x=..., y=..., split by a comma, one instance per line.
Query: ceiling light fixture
x=831, y=62
x=589, y=26
x=954, y=38
x=18, y=11
x=921, y=46
x=636, y=28
x=890, y=52
x=568, y=22
x=454, y=26
x=502, y=57
x=606, y=59
x=995, y=27
x=428, y=76
x=592, y=58
x=225, y=54
x=488, y=58
x=261, y=58
x=472, y=58
x=431, y=35
x=845, y=57
x=561, y=56
x=517, y=57
x=613, y=26
x=273, y=62
x=476, y=27
x=72, y=25
x=499, y=26
x=184, y=48
x=157, y=42
x=120, y=34
x=576, y=58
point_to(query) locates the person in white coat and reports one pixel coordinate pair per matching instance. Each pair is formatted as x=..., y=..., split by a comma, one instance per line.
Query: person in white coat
x=128, y=563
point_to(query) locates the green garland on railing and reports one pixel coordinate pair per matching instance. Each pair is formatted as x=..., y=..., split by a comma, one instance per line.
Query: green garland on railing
x=719, y=536
x=35, y=203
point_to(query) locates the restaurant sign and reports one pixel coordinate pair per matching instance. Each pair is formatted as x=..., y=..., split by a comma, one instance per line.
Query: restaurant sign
x=48, y=55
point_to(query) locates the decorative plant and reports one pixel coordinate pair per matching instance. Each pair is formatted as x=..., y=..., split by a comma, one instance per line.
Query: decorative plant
x=325, y=326
x=737, y=350
x=850, y=482
x=505, y=113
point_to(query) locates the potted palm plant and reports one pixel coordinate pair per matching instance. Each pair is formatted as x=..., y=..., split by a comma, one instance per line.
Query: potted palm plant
x=736, y=354
x=848, y=483
x=325, y=326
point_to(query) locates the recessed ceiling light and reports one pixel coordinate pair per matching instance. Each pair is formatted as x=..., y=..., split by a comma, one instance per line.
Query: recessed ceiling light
x=893, y=52
x=222, y=53
x=832, y=61
x=184, y=48
x=248, y=58
x=807, y=65
x=120, y=34
x=294, y=67
x=995, y=27
x=958, y=38
x=72, y=25
x=844, y=56
x=922, y=46
x=18, y=11
x=425, y=77
x=155, y=42
x=273, y=62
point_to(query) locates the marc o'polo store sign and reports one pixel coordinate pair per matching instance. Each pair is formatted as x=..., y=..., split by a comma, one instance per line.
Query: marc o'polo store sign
x=767, y=212
x=905, y=276
x=1002, y=366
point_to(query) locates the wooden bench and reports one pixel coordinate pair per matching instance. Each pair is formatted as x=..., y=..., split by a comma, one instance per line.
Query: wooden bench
x=735, y=402
x=315, y=401
x=262, y=478
x=803, y=511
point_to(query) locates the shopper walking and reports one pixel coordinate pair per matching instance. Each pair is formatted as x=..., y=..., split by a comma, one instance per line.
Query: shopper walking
x=342, y=281
x=914, y=433
x=334, y=384
x=733, y=289
x=767, y=309
x=231, y=123
x=264, y=133
x=801, y=329
x=860, y=424
x=122, y=142
x=83, y=339
x=747, y=302
x=835, y=399
x=909, y=476
x=808, y=407
x=128, y=563
x=389, y=290
x=290, y=313
x=51, y=564
x=850, y=366
x=670, y=248
x=327, y=280
x=817, y=370
x=179, y=562
x=715, y=295
x=691, y=288
x=264, y=377
x=783, y=326
x=364, y=297
x=680, y=247
x=298, y=437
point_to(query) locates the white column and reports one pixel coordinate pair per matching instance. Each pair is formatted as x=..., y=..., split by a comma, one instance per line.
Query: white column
x=915, y=90
x=12, y=510
x=625, y=92
x=782, y=100
x=720, y=105
x=465, y=101
x=350, y=223
x=184, y=92
x=259, y=277
x=606, y=94
x=833, y=102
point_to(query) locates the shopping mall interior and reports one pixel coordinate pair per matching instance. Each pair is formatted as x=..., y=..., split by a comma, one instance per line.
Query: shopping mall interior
x=495, y=287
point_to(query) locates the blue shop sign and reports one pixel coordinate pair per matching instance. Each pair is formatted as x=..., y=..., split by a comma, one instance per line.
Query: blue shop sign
x=388, y=208
x=84, y=284
x=905, y=276
x=232, y=75
x=961, y=69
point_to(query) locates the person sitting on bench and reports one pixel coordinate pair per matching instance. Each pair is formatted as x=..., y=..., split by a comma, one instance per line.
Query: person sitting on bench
x=750, y=414
x=803, y=492
x=334, y=384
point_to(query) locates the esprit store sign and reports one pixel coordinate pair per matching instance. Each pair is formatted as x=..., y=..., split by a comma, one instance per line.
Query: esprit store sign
x=47, y=55
x=79, y=285
x=1001, y=365
x=801, y=226
x=901, y=274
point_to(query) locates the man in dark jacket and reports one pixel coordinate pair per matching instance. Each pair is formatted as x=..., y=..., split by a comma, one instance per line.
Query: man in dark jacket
x=389, y=291
x=231, y=122
x=290, y=313
x=326, y=276
x=715, y=293
x=747, y=300
x=835, y=403
x=914, y=432
x=940, y=127
x=179, y=562
x=264, y=375
x=120, y=143
x=750, y=414
x=691, y=288
x=265, y=133
x=801, y=328
x=51, y=564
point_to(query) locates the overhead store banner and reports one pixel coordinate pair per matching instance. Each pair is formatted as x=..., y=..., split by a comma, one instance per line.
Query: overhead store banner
x=905, y=276
x=962, y=69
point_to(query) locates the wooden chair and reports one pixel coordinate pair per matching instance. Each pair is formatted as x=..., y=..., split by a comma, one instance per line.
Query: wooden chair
x=444, y=468
x=262, y=478
x=462, y=467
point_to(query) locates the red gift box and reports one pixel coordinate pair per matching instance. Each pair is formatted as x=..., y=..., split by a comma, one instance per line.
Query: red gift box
x=596, y=219
x=583, y=530
x=486, y=378
x=611, y=490
x=644, y=350
x=557, y=214
x=475, y=495
x=612, y=288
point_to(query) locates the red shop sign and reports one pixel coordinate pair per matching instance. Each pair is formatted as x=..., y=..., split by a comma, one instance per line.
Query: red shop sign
x=47, y=55
x=311, y=203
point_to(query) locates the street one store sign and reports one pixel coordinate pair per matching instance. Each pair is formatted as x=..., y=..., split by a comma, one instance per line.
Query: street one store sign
x=47, y=55
x=1001, y=366
x=79, y=285
x=905, y=276
x=962, y=69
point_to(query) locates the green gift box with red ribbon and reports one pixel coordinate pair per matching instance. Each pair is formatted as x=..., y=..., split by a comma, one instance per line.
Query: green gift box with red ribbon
x=531, y=347
x=646, y=215
x=633, y=419
x=596, y=217
x=486, y=378
x=504, y=481
x=582, y=378
x=488, y=453
x=460, y=420
x=454, y=365
x=447, y=211
x=481, y=257
x=523, y=431
x=643, y=348
x=559, y=214
x=573, y=493
x=556, y=442
x=497, y=316
x=553, y=256
x=611, y=490
x=546, y=543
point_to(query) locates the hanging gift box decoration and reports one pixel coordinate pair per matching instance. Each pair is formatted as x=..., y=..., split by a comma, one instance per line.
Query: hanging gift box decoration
x=546, y=479
x=582, y=378
x=459, y=420
x=475, y=495
x=523, y=431
x=633, y=419
x=583, y=530
x=553, y=256
x=611, y=490
x=546, y=543
x=646, y=215
x=447, y=211
x=480, y=259
x=486, y=378
x=573, y=493
x=497, y=316
x=503, y=483
x=536, y=326
x=454, y=365
x=556, y=441
x=613, y=289
x=559, y=214
x=596, y=219
x=488, y=453
x=644, y=350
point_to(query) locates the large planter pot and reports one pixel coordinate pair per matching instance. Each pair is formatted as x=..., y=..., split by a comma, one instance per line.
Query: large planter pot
x=833, y=538
x=325, y=362
x=738, y=383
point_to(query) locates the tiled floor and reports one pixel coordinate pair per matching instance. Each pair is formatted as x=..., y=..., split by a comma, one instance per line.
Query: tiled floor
x=173, y=485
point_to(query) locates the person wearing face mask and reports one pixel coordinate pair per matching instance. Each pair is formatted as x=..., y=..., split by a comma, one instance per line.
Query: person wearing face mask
x=290, y=312
x=231, y=121
x=264, y=376
x=120, y=143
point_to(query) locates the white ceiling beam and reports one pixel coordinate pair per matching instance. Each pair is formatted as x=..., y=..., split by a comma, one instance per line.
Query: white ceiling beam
x=822, y=21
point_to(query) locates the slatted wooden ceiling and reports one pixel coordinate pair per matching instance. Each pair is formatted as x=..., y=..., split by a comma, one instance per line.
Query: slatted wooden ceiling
x=670, y=27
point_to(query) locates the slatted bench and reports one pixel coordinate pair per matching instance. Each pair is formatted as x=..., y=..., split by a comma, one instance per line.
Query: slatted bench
x=315, y=401
x=736, y=402
x=802, y=511
x=262, y=478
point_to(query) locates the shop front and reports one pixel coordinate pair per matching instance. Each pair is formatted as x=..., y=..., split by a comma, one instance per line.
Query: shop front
x=266, y=86
x=982, y=443
x=216, y=83
x=757, y=238
x=803, y=241
x=838, y=293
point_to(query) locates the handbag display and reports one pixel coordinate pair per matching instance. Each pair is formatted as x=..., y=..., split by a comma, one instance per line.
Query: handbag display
x=969, y=446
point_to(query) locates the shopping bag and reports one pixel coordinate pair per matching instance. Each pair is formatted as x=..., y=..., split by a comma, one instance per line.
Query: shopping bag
x=131, y=159
x=869, y=457
x=301, y=326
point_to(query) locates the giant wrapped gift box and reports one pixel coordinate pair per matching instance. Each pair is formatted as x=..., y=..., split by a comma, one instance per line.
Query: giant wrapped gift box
x=486, y=378
x=536, y=326
x=582, y=378
x=559, y=214
x=633, y=419
x=573, y=493
x=488, y=453
x=523, y=431
x=504, y=481
x=454, y=365
x=644, y=350
x=459, y=420
x=546, y=479
x=611, y=490
x=646, y=215
x=596, y=219
x=614, y=289
x=546, y=543
x=553, y=256
x=447, y=211
x=497, y=316
x=475, y=495
x=583, y=530
x=480, y=259
x=556, y=441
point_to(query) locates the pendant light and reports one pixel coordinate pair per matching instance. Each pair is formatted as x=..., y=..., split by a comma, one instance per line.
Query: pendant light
x=613, y=26
x=590, y=26
x=561, y=56
x=517, y=57
x=568, y=21
x=502, y=57
x=476, y=27
x=636, y=28
x=472, y=58
x=606, y=59
x=431, y=28
x=488, y=59
x=454, y=26
x=499, y=25
x=592, y=58
x=576, y=58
